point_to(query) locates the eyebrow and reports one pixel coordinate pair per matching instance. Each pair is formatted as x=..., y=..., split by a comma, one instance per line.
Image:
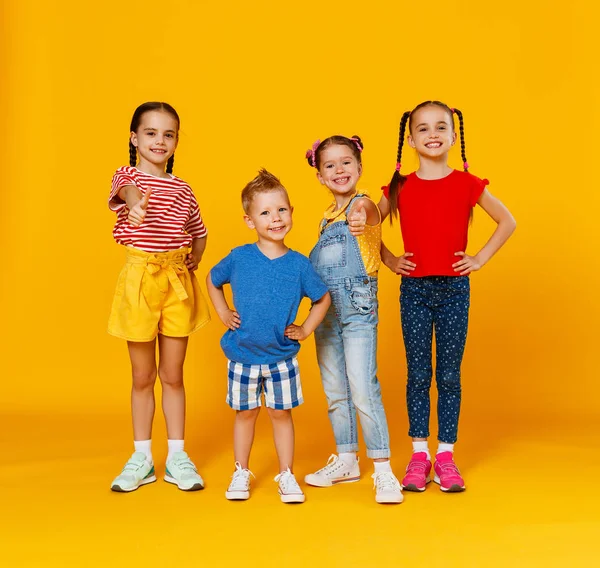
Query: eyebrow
x=155, y=129
x=438, y=122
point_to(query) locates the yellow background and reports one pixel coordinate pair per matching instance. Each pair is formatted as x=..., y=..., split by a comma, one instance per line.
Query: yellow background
x=255, y=84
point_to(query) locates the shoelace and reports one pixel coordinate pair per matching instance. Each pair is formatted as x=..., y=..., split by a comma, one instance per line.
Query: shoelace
x=240, y=478
x=386, y=480
x=288, y=482
x=332, y=464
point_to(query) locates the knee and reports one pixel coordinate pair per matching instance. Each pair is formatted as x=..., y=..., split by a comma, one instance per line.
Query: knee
x=419, y=380
x=171, y=377
x=143, y=379
x=448, y=380
x=279, y=415
x=247, y=415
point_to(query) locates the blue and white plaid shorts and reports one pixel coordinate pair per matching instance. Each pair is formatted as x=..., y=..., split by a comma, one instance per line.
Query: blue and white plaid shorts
x=280, y=381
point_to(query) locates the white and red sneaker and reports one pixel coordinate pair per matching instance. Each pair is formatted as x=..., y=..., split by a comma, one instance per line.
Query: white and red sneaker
x=336, y=471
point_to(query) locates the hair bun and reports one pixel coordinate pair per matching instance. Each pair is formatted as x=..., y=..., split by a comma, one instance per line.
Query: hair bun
x=357, y=138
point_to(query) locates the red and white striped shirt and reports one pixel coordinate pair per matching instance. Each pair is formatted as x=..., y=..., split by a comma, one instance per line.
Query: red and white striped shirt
x=172, y=218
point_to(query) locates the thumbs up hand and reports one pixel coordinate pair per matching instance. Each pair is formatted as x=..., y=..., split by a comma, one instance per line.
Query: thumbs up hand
x=137, y=213
x=357, y=219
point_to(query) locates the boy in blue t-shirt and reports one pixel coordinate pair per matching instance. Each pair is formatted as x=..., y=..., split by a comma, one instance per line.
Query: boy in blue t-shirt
x=268, y=282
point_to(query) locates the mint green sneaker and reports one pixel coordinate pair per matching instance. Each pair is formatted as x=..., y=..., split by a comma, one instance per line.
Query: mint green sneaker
x=137, y=471
x=182, y=472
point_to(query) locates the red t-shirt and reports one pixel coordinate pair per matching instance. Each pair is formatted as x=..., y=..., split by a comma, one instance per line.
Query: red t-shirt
x=434, y=218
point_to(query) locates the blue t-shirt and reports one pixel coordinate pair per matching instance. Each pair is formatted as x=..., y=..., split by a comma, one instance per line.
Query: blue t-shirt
x=266, y=295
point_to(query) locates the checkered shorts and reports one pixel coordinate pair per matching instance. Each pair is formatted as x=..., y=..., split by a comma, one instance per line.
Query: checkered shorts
x=280, y=381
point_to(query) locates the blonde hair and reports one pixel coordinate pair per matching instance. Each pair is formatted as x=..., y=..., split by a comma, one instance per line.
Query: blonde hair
x=264, y=182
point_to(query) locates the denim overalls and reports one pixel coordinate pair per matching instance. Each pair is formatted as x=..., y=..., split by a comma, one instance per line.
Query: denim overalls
x=346, y=342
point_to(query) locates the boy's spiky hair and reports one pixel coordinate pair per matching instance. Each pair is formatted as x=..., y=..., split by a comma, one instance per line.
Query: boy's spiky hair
x=264, y=182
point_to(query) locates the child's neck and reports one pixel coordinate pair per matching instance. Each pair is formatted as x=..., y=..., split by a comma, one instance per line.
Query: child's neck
x=342, y=200
x=152, y=169
x=433, y=168
x=272, y=249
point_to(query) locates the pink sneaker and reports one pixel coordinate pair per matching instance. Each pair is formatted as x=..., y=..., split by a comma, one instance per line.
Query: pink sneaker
x=417, y=473
x=446, y=473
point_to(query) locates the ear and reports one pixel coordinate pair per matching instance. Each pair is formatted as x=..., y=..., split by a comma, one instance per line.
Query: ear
x=454, y=136
x=291, y=209
x=249, y=222
x=411, y=142
x=133, y=138
x=320, y=178
x=359, y=170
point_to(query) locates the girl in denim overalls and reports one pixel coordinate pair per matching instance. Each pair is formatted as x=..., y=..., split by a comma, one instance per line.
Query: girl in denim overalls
x=346, y=340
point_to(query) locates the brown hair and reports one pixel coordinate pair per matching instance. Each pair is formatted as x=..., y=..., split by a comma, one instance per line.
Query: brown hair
x=135, y=123
x=264, y=182
x=398, y=179
x=354, y=143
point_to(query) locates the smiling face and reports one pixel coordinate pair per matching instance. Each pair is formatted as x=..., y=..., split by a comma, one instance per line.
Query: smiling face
x=339, y=170
x=270, y=214
x=155, y=138
x=431, y=131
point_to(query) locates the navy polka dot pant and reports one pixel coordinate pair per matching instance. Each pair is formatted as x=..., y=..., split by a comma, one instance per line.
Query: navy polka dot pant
x=439, y=303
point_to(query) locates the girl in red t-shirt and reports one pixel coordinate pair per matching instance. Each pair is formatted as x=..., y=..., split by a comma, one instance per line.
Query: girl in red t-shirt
x=435, y=205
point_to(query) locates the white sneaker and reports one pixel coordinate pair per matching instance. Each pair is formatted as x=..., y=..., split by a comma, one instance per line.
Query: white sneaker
x=387, y=488
x=239, y=488
x=336, y=471
x=289, y=490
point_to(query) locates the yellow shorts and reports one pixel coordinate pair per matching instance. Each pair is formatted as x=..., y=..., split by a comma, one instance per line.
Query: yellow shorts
x=157, y=294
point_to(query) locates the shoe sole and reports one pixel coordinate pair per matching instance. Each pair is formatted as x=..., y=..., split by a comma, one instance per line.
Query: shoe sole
x=413, y=487
x=145, y=481
x=195, y=487
x=292, y=498
x=332, y=482
x=391, y=500
x=452, y=489
x=237, y=495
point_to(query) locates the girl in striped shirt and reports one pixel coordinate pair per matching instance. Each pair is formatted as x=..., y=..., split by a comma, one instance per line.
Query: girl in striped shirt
x=158, y=296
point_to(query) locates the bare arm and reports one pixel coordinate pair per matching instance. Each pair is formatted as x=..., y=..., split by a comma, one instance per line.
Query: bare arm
x=229, y=317
x=506, y=226
x=136, y=203
x=315, y=317
x=195, y=256
x=363, y=212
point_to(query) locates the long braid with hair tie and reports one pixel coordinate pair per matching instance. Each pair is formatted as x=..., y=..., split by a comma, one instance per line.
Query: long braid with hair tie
x=170, y=164
x=403, y=122
x=132, y=155
x=397, y=179
x=461, y=126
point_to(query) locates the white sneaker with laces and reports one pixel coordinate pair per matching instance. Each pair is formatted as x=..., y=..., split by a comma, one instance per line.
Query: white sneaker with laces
x=335, y=471
x=289, y=490
x=387, y=488
x=239, y=488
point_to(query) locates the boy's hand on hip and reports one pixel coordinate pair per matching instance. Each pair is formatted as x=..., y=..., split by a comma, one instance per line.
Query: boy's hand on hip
x=230, y=319
x=296, y=332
